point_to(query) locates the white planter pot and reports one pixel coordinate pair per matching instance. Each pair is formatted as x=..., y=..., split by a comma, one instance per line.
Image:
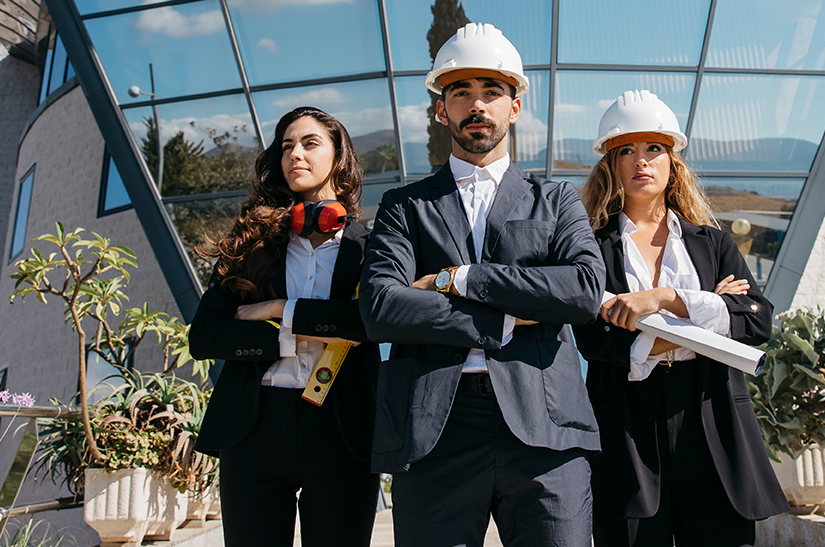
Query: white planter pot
x=116, y=505
x=808, y=487
x=170, y=511
x=206, y=506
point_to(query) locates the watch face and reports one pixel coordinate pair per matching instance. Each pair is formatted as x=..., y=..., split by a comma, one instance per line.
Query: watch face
x=442, y=279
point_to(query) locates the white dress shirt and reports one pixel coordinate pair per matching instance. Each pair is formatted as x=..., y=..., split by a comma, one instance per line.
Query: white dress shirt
x=308, y=275
x=705, y=309
x=477, y=187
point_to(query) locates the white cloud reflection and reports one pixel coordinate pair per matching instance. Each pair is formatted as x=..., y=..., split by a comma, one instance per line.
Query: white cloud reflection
x=169, y=22
x=267, y=44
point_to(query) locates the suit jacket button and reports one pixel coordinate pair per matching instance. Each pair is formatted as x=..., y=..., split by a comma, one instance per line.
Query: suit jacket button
x=482, y=294
x=318, y=328
x=245, y=352
x=458, y=358
x=607, y=328
x=238, y=353
x=754, y=308
x=332, y=328
x=482, y=340
x=259, y=351
x=326, y=328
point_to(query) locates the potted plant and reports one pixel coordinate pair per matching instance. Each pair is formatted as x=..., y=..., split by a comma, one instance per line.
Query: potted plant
x=143, y=435
x=789, y=400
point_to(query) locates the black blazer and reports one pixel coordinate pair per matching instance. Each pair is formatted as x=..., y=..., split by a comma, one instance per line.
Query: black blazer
x=626, y=474
x=539, y=262
x=250, y=348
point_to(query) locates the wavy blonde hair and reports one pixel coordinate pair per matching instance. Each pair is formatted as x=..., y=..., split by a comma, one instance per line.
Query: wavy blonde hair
x=603, y=196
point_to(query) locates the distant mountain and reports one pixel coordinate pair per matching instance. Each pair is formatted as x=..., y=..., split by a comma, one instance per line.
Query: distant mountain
x=370, y=141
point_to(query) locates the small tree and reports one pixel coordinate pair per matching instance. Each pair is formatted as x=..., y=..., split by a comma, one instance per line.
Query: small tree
x=91, y=275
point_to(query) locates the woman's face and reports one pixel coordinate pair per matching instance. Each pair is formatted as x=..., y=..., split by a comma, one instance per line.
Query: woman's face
x=308, y=154
x=644, y=170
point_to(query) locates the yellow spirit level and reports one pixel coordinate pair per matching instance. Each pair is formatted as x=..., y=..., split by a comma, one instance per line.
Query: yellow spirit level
x=325, y=372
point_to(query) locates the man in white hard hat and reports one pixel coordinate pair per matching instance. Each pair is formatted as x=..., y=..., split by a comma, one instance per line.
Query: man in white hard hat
x=472, y=274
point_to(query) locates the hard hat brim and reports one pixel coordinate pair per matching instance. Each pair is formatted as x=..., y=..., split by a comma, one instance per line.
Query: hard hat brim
x=434, y=78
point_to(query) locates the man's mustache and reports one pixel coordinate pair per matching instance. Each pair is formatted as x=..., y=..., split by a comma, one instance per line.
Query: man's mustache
x=475, y=118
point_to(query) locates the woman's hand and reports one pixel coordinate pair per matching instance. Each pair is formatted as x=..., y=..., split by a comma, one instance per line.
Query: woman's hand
x=261, y=311
x=729, y=286
x=624, y=309
x=324, y=339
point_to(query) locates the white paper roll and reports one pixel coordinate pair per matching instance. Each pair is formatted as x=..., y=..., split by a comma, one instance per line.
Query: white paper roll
x=719, y=348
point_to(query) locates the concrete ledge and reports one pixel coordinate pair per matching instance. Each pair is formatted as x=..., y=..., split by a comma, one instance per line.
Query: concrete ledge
x=790, y=530
x=210, y=534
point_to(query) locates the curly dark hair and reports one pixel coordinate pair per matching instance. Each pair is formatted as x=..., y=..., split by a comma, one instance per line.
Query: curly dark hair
x=250, y=254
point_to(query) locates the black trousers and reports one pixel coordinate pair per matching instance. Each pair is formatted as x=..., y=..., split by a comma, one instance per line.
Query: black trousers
x=694, y=509
x=537, y=496
x=295, y=445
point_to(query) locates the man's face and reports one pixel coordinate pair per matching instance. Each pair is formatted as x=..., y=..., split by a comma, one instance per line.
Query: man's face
x=478, y=113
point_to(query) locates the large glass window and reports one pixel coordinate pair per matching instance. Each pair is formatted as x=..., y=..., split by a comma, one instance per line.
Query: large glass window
x=187, y=44
x=758, y=123
x=21, y=215
x=57, y=68
x=764, y=34
x=583, y=96
x=668, y=32
x=292, y=40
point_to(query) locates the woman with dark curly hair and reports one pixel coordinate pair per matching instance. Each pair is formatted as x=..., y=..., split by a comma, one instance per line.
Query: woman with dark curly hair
x=284, y=287
x=682, y=456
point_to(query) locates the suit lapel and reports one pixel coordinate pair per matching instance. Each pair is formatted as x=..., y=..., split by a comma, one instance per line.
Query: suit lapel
x=347, y=269
x=447, y=202
x=610, y=241
x=510, y=193
x=701, y=254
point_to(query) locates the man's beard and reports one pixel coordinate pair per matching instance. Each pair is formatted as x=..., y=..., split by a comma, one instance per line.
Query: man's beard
x=477, y=142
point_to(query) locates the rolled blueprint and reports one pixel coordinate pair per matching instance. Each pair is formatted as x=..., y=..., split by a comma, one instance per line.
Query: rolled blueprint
x=719, y=348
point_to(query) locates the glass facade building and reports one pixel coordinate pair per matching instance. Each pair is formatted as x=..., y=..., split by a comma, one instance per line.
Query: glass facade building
x=745, y=79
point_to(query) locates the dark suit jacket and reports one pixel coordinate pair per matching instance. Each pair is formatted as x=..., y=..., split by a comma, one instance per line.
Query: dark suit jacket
x=250, y=347
x=539, y=262
x=626, y=473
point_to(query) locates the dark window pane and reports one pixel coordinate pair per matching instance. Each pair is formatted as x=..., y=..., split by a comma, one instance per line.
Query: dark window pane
x=780, y=35
x=289, y=41
x=115, y=194
x=669, y=32
x=770, y=123
x=47, y=72
x=69, y=71
x=196, y=219
x=58, y=65
x=21, y=217
x=187, y=45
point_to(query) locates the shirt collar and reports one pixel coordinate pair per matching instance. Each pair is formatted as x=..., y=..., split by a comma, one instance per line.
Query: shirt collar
x=495, y=171
x=627, y=227
x=336, y=239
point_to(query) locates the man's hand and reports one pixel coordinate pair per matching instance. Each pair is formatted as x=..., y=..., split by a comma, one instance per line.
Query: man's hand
x=262, y=311
x=729, y=286
x=520, y=322
x=426, y=283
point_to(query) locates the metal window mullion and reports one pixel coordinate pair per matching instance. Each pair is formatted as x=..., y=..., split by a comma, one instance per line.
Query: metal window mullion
x=233, y=40
x=554, y=62
x=385, y=36
x=700, y=72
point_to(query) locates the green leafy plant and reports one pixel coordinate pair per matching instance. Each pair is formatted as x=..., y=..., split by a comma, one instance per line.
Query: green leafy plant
x=35, y=534
x=150, y=421
x=90, y=276
x=789, y=395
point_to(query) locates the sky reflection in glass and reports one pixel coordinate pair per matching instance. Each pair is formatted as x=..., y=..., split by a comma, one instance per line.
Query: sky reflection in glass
x=768, y=34
x=187, y=44
x=668, y=32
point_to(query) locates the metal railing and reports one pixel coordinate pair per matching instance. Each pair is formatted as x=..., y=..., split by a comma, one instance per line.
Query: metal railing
x=23, y=458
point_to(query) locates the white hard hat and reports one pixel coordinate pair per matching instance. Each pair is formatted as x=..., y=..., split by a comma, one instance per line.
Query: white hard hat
x=478, y=47
x=638, y=112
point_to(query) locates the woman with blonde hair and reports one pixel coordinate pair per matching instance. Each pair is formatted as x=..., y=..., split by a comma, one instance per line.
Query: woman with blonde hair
x=682, y=455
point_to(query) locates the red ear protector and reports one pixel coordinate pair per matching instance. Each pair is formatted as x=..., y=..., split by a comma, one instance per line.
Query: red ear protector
x=322, y=217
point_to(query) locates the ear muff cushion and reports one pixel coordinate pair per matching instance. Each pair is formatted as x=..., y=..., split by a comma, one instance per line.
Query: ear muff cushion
x=331, y=216
x=302, y=221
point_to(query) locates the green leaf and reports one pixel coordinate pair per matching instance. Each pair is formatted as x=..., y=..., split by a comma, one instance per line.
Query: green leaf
x=803, y=346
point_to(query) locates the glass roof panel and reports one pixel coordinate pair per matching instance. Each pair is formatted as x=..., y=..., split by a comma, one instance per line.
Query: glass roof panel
x=757, y=212
x=583, y=96
x=363, y=107
x=415, y=124
x=410, y=23
x=85, y=7
x=209, y=145
x=768, y=34
x=168, y=38
x=757, y=122
x=294, y=40
x=531, y=128
x=670, y=32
